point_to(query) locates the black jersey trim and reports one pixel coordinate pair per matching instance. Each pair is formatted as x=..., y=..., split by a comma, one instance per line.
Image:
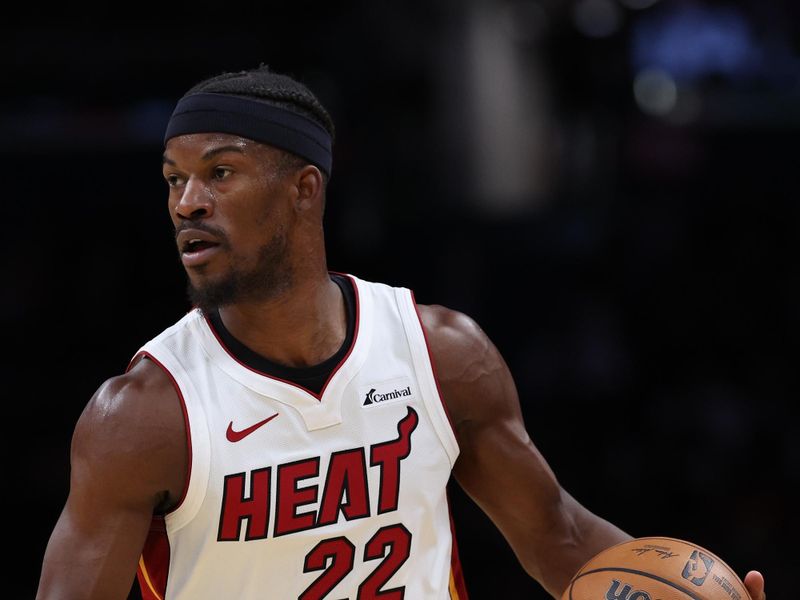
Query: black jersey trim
x=313, y=379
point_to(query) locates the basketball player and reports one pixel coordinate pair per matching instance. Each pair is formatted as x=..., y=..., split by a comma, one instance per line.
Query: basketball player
x=292, y=436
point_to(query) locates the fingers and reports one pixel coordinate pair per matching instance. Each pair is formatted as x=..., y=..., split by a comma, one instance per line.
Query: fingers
x=754, y=582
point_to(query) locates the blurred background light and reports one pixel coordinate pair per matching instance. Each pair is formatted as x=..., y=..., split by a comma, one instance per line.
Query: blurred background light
x=693, y=41
x=508, y=114
x=655, y=91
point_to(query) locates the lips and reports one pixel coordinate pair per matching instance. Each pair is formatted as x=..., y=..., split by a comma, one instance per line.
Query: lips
x=196, y=246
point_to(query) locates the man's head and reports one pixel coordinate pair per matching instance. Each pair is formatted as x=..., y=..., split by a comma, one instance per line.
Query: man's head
x=261, y=105
x=247, y=159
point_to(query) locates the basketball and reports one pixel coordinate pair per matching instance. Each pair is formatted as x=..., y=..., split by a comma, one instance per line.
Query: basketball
x=655, y=568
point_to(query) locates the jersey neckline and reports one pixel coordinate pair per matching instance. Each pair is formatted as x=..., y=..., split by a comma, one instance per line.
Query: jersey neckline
x=318, y=410
x=312, y=378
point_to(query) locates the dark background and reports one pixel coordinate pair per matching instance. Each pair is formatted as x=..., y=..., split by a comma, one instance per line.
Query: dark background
x=609, y=188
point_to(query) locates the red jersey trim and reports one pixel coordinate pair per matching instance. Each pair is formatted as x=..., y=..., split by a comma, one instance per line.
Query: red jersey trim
x=292, y=383
x=153, y=568
x=458, y=587
x=433, y=368
x=149, y=356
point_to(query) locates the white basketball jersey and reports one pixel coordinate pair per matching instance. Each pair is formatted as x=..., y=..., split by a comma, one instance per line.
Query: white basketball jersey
x=293, y=495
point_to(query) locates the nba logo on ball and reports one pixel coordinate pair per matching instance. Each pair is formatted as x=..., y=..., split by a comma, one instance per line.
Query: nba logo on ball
x=697, y=561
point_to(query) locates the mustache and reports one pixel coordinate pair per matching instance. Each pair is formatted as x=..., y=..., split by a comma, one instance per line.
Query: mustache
x=218, y=233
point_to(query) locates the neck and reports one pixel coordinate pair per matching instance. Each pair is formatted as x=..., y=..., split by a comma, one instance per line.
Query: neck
x=302, y=327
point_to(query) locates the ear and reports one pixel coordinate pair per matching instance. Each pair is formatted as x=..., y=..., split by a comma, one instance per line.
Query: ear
x=309, y=188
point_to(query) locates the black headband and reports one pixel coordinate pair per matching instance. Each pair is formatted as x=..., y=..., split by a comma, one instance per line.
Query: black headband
x=258, y=121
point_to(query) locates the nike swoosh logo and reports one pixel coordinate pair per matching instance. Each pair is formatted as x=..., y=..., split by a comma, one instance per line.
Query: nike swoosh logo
x=236, y=436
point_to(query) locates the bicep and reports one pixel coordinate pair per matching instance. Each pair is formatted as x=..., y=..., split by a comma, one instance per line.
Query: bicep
x=498, y=465
x=505, y=474
x=501, y=469
x=114, y=486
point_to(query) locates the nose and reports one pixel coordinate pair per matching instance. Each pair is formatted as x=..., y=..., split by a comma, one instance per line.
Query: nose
x=195, y=202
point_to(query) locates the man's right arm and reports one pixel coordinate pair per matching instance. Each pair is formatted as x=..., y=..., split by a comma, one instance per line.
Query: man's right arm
x=129, y=458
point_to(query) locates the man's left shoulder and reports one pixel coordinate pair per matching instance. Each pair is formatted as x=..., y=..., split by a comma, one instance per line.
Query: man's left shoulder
x=474, y=380
x=451, y=334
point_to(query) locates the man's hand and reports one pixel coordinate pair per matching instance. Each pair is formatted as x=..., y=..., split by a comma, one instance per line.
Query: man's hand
x=754, y=582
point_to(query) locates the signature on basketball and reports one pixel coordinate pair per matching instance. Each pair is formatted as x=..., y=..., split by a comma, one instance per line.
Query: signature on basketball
x=663, y=553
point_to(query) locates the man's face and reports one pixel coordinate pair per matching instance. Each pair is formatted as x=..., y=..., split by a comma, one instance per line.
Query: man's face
x=231, y=211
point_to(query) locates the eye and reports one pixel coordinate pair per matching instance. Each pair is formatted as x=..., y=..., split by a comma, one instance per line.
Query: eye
x=222, y=172
x=173, y=180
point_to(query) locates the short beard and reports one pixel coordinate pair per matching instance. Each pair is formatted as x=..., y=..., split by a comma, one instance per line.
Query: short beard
x=271, y=276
